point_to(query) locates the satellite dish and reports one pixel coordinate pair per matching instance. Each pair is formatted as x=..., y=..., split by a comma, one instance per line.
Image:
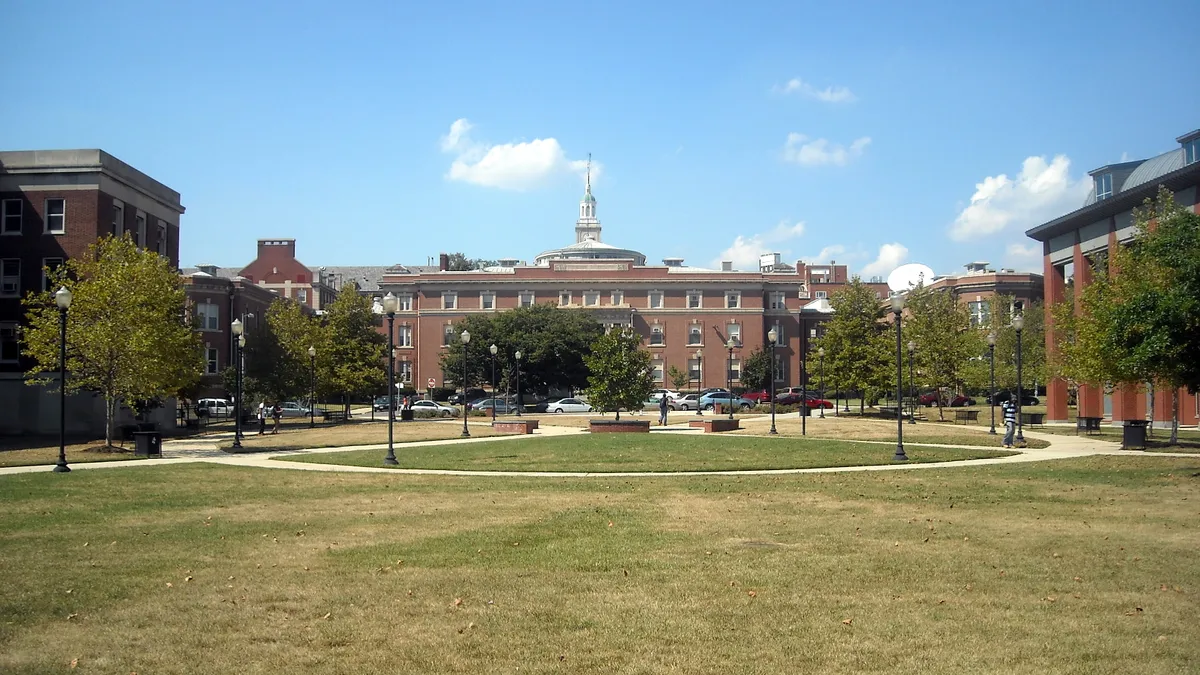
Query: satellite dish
x=907, y=276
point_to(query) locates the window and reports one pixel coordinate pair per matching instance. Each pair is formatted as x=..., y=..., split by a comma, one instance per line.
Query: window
x=141, y=229
x=404, y=336
x=695, y=299
x=11, y=210
x=1191, y=151
x=162, y=237
x=405, y=373
x=118, y=218
x=780, y=336
x=981, y=312
x=735, y=370
x=656, y=370
x=695, y=336
x=777, y=300
x=694, y=369
x=449, y=300
x=780, y=370
x=405, y=302
x=564, y=298
x=210, y=358
x=656, y=336
x=618, y=298
x=302, y=295
x=591, y=299
x=10, y=277
x=526, y=299
x=447, y=335
x=56, y=216
x=1104, y=186
x=822, y=294
x=10, y=348
x=48, y=267
x=210, y=316
x=487, y=301
x=734, y=330
x=655, y=300
x=733, y=299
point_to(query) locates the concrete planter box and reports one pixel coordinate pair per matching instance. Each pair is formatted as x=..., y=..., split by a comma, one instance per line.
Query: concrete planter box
x=716, y=425
x=619, y=427
x=515, y=426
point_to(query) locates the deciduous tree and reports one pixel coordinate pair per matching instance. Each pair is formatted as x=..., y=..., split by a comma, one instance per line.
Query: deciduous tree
x=619, y=372
x=856, y=341
x=941, y=329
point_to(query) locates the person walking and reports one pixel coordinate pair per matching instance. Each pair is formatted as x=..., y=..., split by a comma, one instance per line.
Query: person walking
x=1010, y=421
x=663, y=407
x=276, y=413
x=262, y=417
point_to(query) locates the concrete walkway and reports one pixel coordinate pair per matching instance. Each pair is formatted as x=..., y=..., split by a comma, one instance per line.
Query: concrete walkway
x=207, y=451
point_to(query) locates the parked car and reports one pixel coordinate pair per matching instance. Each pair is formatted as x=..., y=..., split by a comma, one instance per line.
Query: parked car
x=710, y=390
x=502, y=406
x=658, y=393
x=688, y=402
x=471, y=395
x=381, y=402
x=960, y=401
x=214, y=407
x=763, y=396
x=293, y=409
x=930, y=398
x=434, y=407
x=1002, y=396
x=724, y=399
x=814, y=400
x=568, y=405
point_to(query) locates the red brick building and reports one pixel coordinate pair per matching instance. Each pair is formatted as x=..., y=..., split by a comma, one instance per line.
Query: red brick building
x=1105, y=221
x=979, y=284
x=214, y=302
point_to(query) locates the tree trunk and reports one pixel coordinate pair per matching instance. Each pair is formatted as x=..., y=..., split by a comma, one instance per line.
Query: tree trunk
x=1174, y=416
x=618, y=414
x=1152, y=397
x=110, y=415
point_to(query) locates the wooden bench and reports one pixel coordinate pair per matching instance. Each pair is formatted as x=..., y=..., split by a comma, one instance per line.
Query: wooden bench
x=890, y=411
x=515, y=426
x=334, y=416
x=1087, y=425
x=1033, y=419
x=966, y=416
x=716, y=425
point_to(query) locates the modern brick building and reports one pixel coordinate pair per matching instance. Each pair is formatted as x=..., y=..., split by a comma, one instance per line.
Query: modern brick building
x=1103, y=222
x=53, y=205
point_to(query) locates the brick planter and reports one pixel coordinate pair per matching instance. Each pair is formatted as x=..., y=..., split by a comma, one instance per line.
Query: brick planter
x=716, y=425
x=619, y=427
x=515, y=426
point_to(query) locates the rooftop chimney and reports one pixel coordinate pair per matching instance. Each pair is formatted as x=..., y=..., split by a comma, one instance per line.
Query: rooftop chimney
x=726, y=265
x=443, y=262
x=673, y=262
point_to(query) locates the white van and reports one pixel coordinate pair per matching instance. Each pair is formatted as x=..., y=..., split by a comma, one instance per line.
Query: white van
x=214, y=407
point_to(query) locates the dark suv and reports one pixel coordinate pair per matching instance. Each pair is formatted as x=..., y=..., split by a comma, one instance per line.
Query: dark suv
x=472, y=394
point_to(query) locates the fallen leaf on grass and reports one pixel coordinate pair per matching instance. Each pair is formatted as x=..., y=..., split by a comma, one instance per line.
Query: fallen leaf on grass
x=1050, y=598
x=187, y=578
x=753, y=594
x=1135, y=611
x=170, y=585
x=458, y=602
x=71, y=616
x=74, y=663
x=848, y=621
x=327, y=615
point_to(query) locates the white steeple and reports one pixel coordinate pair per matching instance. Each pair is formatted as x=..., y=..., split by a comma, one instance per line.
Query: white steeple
x=588, y=225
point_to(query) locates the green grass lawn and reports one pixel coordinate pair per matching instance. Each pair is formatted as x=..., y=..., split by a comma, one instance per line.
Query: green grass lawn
x=644, y=452
x=1074, y=566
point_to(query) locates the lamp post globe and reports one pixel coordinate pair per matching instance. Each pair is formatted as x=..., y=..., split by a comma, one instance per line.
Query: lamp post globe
x=1018, y=323
x=390, y=304
x=312, y=387
x=465, y=336
x=239, y=342
x=62, y=298
x=912, y=401
x=699, y=378
x=897, y=308
x=730, y=344
x=518, y=359
x=821, y=372
x=493, y=349
x=991, y=340
x=772, y=336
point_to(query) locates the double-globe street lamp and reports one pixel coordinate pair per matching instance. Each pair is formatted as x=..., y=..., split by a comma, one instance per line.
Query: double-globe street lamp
x=1018, y=323
x=699, y=379
x=772, y=336
x=991, y=340
x=239, y=341
x=312, y=387
x=390, y=304
x=897, y=308
x=62, y=298
x=493, y=349
x=912, y=400
x=466, y=338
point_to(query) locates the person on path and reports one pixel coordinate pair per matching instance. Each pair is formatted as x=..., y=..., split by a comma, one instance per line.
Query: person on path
x=262, y=417
x=1010, y=421
x=276, y=413
x=663, y=407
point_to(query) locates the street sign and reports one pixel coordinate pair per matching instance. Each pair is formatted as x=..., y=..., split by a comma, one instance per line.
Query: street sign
x=431, y=382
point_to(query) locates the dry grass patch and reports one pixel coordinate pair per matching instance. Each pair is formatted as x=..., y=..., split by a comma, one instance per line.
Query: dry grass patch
x=32, y=450
x=860, y=429
x=359, y=433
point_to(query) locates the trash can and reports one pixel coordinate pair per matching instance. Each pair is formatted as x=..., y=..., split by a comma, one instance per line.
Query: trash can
x=147, y=444
x=406, y=414
x=1134, y=435
x=805, y=411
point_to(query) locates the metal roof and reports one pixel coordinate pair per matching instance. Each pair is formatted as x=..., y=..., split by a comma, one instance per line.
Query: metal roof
x=1154, y=167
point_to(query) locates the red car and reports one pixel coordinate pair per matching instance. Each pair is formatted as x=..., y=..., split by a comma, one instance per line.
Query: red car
x=813, y=401
x=763, y=396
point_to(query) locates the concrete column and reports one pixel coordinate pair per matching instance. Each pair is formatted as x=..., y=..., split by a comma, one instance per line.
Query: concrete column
x=1090, y=398
x=1054, y=286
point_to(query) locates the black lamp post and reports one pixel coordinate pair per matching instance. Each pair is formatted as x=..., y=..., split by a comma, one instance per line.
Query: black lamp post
x=63, y=299
x=239, y=341
x=390, y=304
x=699, y=378
x=772, y=336
x=312, y=387
x=991, y=340
x=912, y=402
x=518, y=355
x=1018, y=323
x=729, y=372
x=821, y=370
x=466, y=338
x=897, y=308
x=804, y=382
x=493, y=349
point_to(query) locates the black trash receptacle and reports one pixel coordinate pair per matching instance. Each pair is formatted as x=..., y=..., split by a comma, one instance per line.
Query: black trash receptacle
x=1134, y=435
x=147, y=444
x=805, y=411
x=406, y=414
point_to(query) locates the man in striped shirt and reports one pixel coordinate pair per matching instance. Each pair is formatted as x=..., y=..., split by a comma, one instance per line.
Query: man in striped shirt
x=1010, y=421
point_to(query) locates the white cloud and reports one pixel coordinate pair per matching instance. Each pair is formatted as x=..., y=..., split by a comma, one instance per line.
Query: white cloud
x=1024, y=257
x=827, y=254
x=890, y=257
x=815, y=152
x=831, y=94
x=745, y=250
x=1041, y=192
x=510, y=166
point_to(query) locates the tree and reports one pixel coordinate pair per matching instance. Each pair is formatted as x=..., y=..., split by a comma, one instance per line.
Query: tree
x=857, y=341
x=459, y=262
x=352, y=351
x=756, y=370
x=620, y=372
x=945, y=343
x=277, y=365
x=1139, y=326
x=1033, y=347
x=127, y=335
x=679, y=378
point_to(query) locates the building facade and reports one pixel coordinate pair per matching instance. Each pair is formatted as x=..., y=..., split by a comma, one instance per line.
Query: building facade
x=1106, y=221
x=214, y=302
x=976, y=287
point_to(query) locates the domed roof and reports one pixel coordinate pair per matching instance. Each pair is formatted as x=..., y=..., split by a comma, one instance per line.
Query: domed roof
x=590, y=249
x=1154, y=168
x=587, y=197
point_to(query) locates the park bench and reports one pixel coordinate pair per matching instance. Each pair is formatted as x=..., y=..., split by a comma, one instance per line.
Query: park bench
x=334, y=415
x=1033, y=419
x=966, y=416
x=890, y=411
x=1087, y=425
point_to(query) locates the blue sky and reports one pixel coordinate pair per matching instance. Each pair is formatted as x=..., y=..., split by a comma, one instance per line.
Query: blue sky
x=860, y=132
